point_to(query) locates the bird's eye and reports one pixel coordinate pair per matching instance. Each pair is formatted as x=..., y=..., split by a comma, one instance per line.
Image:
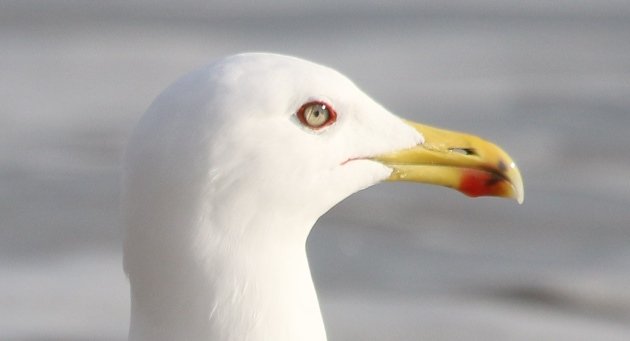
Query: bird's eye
x=316, y=114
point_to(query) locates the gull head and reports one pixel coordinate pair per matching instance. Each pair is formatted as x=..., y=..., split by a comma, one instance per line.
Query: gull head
x=300, y=137
x=232, y=165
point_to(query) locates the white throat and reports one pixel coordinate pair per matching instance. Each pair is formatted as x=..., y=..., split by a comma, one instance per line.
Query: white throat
x=231, y=286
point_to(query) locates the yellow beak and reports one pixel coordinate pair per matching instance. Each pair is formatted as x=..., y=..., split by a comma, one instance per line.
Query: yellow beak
x=464, y=162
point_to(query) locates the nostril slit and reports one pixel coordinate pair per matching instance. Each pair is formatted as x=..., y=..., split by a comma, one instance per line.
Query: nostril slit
x=464, y=151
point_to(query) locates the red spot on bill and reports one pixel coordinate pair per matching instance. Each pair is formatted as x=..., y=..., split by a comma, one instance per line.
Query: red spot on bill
x=477, y=183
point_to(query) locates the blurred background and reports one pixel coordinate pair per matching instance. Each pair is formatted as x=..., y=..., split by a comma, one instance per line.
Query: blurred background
x=547, y=80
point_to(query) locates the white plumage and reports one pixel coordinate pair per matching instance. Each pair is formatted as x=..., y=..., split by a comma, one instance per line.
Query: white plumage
x=223, y=184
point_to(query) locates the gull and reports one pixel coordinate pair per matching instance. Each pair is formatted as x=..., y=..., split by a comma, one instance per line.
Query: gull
x=229, y=169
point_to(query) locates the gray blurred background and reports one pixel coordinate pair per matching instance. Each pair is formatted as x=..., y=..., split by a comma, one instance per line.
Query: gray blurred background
x=547, y=80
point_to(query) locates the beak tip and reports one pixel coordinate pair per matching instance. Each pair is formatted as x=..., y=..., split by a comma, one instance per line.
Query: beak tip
x=520, y=193
x=517, y=184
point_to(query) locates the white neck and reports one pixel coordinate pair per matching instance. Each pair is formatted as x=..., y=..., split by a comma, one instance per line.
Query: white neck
x=222, y=284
